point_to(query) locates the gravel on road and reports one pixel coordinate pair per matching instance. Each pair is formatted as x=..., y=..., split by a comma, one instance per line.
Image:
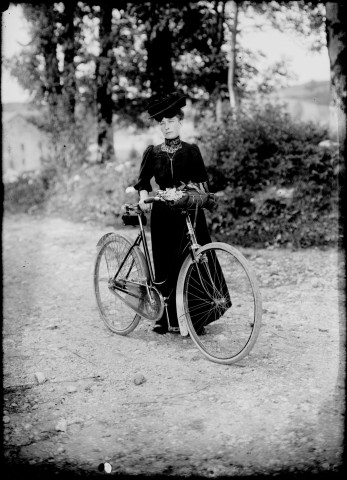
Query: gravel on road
x=72, y=399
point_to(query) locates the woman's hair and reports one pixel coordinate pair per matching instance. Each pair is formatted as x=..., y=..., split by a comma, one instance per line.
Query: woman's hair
x=179, y=114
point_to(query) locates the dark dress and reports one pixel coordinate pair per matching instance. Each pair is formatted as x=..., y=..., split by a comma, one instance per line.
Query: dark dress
x=168, y=226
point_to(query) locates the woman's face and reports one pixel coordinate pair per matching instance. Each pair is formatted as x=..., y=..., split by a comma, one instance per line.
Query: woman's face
x=170, y=127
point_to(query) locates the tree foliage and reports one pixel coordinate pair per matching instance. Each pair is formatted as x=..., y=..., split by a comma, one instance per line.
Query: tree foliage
x=300, y=18
x=152, y=47
x=276, y=183
x=110, y=58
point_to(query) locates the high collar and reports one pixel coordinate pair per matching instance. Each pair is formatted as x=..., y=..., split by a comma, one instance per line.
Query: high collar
x=172, y=142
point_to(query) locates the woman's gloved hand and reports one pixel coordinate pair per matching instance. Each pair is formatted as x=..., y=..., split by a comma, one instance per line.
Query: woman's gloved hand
x=145, y=207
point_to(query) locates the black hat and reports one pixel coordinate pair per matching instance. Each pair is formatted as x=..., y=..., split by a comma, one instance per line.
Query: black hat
x=167, y=106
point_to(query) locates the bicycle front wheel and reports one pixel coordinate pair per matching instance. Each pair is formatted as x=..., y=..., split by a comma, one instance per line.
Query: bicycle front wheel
x=221, y=302
x=113, y=306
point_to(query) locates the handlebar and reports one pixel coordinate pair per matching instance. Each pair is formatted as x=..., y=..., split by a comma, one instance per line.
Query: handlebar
x=203, y=201
x=136, y=207
x=151, y=200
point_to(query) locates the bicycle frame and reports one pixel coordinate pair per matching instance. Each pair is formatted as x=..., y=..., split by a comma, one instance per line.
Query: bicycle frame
x=141, y=238
x=194, y=246
x=204, y=289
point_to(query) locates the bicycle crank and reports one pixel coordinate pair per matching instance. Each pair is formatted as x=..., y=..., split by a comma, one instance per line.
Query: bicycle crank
x=145, y=300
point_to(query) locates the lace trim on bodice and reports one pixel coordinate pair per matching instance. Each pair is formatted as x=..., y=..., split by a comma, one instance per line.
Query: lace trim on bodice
x=171, y=145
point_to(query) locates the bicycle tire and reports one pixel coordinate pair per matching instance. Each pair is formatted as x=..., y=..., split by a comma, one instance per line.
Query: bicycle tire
x=119, y=317
x=231, y=336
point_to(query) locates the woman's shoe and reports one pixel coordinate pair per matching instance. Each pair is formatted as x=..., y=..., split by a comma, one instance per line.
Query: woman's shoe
x=160, y=329
x=174, y=330
x=201, y=332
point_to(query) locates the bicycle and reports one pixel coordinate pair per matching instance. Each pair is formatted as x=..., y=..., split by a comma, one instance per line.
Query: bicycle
x=215, y=280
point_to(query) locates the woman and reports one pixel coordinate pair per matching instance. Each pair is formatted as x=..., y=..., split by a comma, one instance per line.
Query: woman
x=170, y=163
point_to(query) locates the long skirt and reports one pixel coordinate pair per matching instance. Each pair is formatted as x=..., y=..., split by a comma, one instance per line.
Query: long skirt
x=169, y=247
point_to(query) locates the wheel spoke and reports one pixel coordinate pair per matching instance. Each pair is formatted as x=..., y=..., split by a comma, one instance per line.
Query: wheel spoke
x=117, y=315
x=220, y=293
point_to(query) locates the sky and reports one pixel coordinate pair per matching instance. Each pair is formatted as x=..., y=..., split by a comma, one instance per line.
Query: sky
x=13, y=31
x=305, y=65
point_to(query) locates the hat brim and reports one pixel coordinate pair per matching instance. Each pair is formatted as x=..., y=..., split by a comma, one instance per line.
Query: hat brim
x=168, y=110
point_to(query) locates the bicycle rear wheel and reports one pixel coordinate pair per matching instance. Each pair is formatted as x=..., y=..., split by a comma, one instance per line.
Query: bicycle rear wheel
x=220, y=298
x=118, y=316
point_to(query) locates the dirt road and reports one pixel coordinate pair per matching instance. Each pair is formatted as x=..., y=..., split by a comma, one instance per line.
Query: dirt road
x=278, y=410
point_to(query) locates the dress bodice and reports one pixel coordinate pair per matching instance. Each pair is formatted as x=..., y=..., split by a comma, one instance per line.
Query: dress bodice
x=171, y=169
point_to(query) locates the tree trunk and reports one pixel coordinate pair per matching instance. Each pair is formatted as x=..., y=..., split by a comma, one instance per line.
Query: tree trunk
x=336, y=15
x=232, y=62
x=48, y=41
x=219, y=108
x=218, y=36
x=104, y=86
x=159, y=56
x=69, y=48
x=217, y=43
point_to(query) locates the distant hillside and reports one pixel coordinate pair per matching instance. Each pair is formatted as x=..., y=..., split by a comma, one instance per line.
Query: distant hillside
x=309, y=102
x=10, y=110
x=16, y=107
x=315, y=92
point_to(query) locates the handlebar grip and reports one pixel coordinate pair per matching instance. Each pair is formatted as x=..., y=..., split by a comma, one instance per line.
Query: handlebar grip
x=151, y=200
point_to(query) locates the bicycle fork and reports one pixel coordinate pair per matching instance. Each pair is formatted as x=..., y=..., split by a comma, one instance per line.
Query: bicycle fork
x=193, y=248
